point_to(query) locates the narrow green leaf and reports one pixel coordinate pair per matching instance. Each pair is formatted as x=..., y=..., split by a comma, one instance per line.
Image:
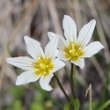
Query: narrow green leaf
x=67, y=106
x=105, y=105
x=76, y=104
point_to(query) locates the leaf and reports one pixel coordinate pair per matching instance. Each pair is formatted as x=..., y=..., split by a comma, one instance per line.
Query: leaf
x=80, y=79
x=16, y=105
x=105, y=105
x=76, y=104
x=17, y=91
x=37, y=103
x=36, y=106
x=67, y=106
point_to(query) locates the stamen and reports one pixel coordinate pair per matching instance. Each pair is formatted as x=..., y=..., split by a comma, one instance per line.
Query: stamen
x=70, y=51
x=43, y=66
x=73, y=51
x=79, y=48
x=76, y=53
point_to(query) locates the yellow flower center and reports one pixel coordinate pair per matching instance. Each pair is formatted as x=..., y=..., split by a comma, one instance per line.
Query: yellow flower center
x=43, y=66
x=73, y=51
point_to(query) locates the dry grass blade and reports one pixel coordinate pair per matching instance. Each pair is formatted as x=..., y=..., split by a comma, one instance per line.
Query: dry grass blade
x=54, y=16
x=98, y=67
x=89, y=92
x=77, y=11
x=22, y=25
x=100, y=29
x=45, y=21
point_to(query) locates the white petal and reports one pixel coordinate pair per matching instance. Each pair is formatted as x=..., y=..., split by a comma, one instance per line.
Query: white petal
x=92, y=49
x=51, y=48
x=21, y=62
x=70, y=29
x=86, y=33
x=80, y=62
x=44, y=82
x=33, y=47
x=62, y=43
x=26, y=77
x=58, y=64
x=61, y=55
x=51, y=35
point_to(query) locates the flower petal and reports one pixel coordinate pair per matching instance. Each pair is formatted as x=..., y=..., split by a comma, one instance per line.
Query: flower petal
x=92, y=49
x=62, y=43
x=51, y=49
x=80, y=62
x=44, y=82
x=86, y=33
x=58, y=64
x=61, y=55
x=51, y=35
x=70, y=29
x=33, y=47
x=21, y=62
x=26, y=77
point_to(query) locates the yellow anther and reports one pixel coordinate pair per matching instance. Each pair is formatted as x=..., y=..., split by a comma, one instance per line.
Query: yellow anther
x=43, y=66
x=73, y=51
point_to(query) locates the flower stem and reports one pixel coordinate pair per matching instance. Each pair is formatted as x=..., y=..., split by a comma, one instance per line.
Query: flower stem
x=61, y=87
x=73, y=68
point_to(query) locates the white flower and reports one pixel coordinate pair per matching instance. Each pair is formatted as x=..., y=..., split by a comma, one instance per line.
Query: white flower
x=75, y=48
x=40, y=66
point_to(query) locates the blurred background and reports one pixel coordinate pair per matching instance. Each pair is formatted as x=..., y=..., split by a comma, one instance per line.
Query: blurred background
x=35, y=18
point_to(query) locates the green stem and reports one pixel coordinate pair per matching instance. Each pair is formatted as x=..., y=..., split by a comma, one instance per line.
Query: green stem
x=90, y=96
x=72, y=79
x=61, y=87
